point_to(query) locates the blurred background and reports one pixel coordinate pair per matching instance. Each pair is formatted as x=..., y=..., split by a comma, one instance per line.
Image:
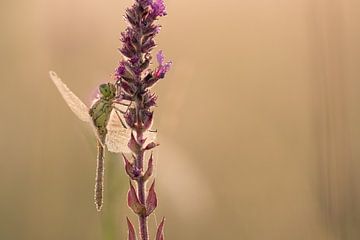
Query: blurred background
x=258, y=120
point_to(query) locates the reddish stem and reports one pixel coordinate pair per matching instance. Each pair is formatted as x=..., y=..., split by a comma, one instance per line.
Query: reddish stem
x=139, y=162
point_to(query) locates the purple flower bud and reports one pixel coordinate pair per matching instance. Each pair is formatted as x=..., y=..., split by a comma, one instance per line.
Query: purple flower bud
x=151, y=200
x=123, y=71
x=130, y=169
x=133, y=201
x=120, y=70
x=147, y=37
x=131, y=16
x=150, y=100
x=131, y=230
x=160, y=230
x=128, y=49
x=127, y=52
x=148, y=45
x=158, y=8
x=127, y=87
x=151, y=30
x=134, y=60
x=145, y=64
x=147, y=120
x=130, y=43
x=144, y=3
x=150, y=81
x=128, y=166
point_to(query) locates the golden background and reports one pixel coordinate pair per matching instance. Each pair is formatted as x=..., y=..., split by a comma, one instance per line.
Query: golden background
x=258, y=120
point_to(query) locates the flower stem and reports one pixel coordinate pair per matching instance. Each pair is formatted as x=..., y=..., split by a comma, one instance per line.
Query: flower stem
x=143, y=223
x=139, y=162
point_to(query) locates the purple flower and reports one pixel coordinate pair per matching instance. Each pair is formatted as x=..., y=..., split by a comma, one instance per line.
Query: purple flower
x=160, y=57
x=159, y=73
x=138, y=42
x=144, y=2
x=120, y=70
x=158, y=8
x=163, y=68
x=134, y=80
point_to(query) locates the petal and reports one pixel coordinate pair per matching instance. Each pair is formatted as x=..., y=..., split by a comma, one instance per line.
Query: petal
x=160, y=57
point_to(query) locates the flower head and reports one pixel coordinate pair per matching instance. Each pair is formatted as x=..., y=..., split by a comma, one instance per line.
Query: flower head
x=137, y=44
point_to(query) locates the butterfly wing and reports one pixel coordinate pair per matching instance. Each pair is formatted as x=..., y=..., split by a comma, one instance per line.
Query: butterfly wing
x=75, y=104
x=117, y=136
x=150, y=137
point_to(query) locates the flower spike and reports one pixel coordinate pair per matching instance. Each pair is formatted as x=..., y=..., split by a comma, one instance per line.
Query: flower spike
x=134, y=79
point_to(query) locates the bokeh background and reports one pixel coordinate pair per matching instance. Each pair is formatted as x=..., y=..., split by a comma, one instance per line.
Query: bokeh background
x=258, y=120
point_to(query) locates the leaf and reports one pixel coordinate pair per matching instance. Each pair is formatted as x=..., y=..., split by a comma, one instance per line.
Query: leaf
x=151, y=146
x=133, y=201
x=148, y=120
x=131, y=230
x=151, y=200
x=129, y=168
x=160, y=230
